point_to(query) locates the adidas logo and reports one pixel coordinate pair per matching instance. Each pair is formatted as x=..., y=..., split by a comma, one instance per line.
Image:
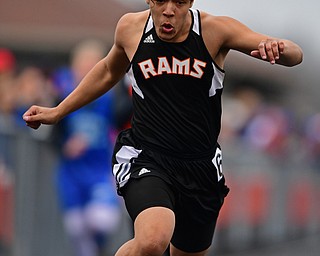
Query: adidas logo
x=143, y=171
x=149, y=39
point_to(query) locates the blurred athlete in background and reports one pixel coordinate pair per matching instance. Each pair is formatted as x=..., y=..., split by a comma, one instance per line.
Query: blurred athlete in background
x=86, y=189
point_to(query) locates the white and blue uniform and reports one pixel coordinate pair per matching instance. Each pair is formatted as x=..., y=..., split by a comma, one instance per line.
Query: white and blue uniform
x=86, y=179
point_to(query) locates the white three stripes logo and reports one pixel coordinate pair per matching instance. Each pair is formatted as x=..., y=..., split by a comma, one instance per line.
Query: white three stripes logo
x=149, y=39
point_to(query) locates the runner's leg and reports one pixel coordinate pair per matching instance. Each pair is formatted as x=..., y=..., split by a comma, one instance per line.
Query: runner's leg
x=153, y=229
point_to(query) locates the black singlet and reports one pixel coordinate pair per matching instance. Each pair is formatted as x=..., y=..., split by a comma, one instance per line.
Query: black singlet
x=177, y=91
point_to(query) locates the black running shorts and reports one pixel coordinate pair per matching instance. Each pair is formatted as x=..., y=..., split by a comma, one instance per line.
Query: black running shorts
x=193, y=188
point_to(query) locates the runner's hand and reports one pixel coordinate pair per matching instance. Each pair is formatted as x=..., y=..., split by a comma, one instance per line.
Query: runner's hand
x=269, y=50
x=35, y=116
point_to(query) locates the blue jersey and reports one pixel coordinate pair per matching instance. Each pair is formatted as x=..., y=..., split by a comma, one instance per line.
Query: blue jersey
x=79, y=176
x=93, y=121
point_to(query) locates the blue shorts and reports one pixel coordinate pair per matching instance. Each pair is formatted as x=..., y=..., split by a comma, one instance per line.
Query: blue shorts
x=77, y=190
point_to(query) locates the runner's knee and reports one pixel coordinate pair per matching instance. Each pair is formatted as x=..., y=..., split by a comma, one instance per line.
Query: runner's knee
x=153, y=230
x=155, y=245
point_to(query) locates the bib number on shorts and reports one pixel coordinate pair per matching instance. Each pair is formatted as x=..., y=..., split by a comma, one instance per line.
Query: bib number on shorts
x=217, y=162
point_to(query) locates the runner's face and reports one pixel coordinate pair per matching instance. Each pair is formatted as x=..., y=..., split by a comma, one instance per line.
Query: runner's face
x=170, y=18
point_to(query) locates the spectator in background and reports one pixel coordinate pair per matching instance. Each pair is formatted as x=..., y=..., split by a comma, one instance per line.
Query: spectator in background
x=7, y=76
x=257, y=122
x=31, y=87
x=85, y=185
x=7, y=73
x=312, y=140
x=269, y=131
x=239, y=108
